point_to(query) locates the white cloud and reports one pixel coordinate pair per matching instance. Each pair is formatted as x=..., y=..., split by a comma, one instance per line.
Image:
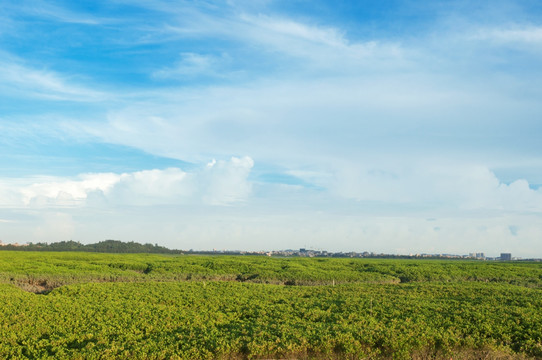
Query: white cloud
x=518, y=35
x=325, y=48
x=291, y=44
x=191, y=65
x=220, y=183
x=479, y=219
x=47, y=10
x=296, y=121
x=454, y=186
x=227, y=182
x=52, y=191
x=150, y=187
x=294, y=29
x=18, y=78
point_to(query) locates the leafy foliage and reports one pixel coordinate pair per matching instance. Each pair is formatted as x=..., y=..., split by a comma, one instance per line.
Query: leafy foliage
x=174, y=307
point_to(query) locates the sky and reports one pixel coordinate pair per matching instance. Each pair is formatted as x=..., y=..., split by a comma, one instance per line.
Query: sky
x=393, y=126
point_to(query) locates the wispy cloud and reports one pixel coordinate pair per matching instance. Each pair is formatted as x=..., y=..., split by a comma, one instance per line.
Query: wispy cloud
x=296, y=30
x=277, y=36
x=26, y=81
x=192, y=65
x=527, y=37
x=49, y=10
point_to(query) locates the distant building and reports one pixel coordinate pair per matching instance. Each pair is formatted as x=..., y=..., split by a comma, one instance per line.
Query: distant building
x=506, y=256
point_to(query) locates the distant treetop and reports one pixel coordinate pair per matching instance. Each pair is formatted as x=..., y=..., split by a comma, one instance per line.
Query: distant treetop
x=106, y=246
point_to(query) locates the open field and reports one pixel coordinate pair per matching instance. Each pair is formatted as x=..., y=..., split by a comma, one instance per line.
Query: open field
x=86, y=305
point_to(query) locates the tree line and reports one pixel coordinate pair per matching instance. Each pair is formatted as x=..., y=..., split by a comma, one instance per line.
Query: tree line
x=106, y=246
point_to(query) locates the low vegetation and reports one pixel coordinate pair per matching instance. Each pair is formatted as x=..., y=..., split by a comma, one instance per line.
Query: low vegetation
x=87, y=305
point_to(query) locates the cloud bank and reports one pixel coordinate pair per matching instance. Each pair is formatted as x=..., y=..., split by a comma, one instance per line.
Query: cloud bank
x=219, y=183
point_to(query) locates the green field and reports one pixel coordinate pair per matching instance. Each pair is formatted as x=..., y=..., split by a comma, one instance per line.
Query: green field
x=88, y=305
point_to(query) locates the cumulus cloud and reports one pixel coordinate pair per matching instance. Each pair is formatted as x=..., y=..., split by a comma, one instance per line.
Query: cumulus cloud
x=64, y=192
x=219, y=183
x=456, y=186
x=150, y=187
x=226, y=182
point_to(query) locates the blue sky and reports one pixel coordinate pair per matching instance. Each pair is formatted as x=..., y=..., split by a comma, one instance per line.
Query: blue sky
x=397, y=126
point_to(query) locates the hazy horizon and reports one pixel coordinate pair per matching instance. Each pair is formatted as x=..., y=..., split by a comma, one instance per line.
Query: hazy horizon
x=396, y=127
